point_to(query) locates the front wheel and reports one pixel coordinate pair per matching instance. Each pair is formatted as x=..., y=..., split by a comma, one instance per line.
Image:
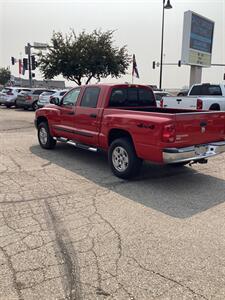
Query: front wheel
x=35, y=105
x=123, y=160
x=46, y=141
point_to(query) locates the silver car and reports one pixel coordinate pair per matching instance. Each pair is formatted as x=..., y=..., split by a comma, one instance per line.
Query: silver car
x=8, y=95
x=30, y=99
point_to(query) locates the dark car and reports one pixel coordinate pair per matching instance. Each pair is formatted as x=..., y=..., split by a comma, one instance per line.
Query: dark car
x=28, y=100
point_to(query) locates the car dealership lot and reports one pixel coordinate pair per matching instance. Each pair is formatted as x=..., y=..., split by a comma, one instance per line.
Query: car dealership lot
x=69, y=229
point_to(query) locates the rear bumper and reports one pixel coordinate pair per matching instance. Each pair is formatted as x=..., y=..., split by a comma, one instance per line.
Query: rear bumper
x=23, y=104
x=192, y=153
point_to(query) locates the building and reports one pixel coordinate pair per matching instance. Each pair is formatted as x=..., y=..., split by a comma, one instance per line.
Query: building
x=50, y=84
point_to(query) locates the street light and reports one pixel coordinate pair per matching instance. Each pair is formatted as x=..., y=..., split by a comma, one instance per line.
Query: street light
x=167, y=6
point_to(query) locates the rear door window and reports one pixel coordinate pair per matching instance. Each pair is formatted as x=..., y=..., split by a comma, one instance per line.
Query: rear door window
x=206, y=90
x=90, y=97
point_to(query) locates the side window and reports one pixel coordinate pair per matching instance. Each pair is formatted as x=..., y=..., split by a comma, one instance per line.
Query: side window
x=90, y=97
x=71, y=97
x=214, y=90
x=196, y=90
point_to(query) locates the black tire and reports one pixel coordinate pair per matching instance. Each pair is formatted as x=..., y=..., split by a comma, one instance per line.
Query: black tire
x=8, y=106
x=35, y=106
x=214, y=107
x=50, y=142
x=133, y=164
x=25, y=108
x=180, y=164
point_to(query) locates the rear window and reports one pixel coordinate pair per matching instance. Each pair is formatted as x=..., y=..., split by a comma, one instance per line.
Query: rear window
x=38, y=92
x=121, y=97
x=47, y=93
x=6, y=90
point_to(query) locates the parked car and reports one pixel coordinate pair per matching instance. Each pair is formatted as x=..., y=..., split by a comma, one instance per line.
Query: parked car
x=45, y=97
x=8, y=95
x=29, y=99
x=183, y=92
x=123, y=120
x=159, y=94
x=203, y=96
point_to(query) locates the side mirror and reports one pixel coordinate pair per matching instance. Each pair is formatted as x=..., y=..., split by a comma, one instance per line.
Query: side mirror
x=55, y=100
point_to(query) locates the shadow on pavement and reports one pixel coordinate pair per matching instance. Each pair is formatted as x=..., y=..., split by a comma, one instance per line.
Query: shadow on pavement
x=177, y=192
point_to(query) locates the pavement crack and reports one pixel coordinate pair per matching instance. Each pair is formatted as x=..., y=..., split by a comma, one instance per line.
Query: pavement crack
x=71, y=269
x=168, y=278
x=14, y=280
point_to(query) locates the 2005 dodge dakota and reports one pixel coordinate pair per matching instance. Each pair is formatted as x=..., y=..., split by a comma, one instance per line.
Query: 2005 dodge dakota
x=123, y=120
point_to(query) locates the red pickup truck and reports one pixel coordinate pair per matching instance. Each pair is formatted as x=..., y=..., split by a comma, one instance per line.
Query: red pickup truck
x=123, y=120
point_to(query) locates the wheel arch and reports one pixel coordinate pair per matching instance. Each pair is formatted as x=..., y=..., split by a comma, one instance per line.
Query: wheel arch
x=214, y=106
x=41, y=119
x=117, y=133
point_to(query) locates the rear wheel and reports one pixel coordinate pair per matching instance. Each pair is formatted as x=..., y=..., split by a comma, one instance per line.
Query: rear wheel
x=46, y=141
x=123, y=160
x=8, y=106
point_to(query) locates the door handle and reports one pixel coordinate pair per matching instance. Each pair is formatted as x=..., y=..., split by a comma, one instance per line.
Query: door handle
x=179, y=100
x=70, y=113
x=93, y=116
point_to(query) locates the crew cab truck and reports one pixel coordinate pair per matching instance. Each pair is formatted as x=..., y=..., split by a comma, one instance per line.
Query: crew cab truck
x=123, y=120
x=200, y=96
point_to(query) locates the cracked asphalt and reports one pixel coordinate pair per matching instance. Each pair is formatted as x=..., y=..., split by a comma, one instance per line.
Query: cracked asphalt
x=71, y=230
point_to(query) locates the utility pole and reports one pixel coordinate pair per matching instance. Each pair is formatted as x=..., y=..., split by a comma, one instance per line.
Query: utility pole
x=29, y=63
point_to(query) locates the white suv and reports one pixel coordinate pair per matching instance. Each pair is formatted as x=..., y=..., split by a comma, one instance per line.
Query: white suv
x=9, y=95
x=45, y=98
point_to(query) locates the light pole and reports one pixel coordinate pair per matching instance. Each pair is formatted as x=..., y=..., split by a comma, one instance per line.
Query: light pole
x=167, y=6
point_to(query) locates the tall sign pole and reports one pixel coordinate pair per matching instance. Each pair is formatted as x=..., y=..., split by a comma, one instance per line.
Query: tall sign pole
x=29, y=64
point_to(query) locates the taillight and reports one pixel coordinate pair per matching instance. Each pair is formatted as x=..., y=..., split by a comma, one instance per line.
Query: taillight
x=28, y=98
x=199, y=104
x=161, y=103
x=169, y=133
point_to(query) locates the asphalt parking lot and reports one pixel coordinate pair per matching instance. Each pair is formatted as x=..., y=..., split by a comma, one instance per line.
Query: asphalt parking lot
x=71, y=230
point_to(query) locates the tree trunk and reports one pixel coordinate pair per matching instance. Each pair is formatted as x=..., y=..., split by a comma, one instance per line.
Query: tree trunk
x=89, y=78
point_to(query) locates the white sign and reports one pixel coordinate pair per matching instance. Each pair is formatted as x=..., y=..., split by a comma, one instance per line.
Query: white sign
x=197, y=40
x=40, y=45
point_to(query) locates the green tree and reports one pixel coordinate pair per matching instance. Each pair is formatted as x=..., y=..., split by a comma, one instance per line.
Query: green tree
x=4, y=75
x=83, y=57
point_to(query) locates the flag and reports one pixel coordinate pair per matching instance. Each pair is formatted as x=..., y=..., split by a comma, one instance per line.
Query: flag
x=135, y=69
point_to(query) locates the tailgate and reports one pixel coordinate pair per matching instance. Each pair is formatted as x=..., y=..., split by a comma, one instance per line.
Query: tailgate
x=200, y=127
x=180, y=102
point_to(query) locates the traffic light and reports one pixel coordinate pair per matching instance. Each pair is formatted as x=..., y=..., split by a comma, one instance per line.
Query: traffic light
x=179, y=63
x=153, y=65
x=33, y=62
x=13, y=60
x=25, y=63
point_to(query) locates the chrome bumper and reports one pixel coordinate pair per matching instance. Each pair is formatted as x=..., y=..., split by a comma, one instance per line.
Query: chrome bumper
x=192, y=153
